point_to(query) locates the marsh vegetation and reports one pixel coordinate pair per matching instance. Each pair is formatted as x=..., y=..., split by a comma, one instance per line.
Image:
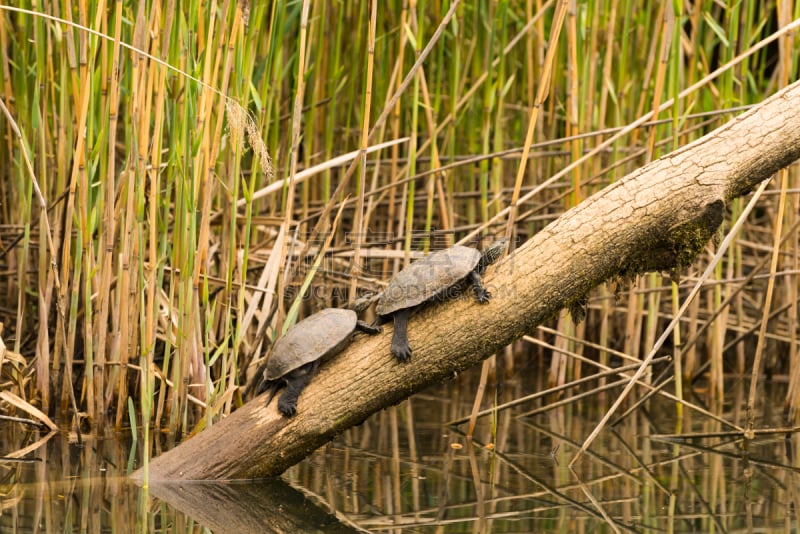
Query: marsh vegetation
x=181, y=183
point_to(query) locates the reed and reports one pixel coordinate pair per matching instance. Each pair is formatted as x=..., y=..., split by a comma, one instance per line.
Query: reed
x=140, y=261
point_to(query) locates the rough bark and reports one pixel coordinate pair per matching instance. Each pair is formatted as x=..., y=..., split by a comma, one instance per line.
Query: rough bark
x=656, y=218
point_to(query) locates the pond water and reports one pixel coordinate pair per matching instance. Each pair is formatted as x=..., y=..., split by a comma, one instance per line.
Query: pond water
x=411, y=469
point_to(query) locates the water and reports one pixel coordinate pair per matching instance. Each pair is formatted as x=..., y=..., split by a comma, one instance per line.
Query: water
x=406, y=469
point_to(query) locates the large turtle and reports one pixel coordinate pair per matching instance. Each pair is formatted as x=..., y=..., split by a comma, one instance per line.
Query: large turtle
x=296, y=356
x=436, y=276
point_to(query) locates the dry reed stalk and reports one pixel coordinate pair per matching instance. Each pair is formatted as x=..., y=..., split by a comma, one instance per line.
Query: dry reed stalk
x=573, y=106
x=155, y=271
x=358, y=226
x=767, y=304
x=544, y=86
x=96, y=359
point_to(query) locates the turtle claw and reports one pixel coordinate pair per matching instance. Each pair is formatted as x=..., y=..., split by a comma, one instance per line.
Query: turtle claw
x=482, y=295
x=287, y=409
x=401, y=352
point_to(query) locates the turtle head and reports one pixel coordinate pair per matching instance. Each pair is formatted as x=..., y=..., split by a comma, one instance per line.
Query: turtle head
x=363, y=302
x=491, y=253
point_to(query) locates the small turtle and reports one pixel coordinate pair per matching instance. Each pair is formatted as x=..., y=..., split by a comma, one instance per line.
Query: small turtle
x=296, y=356
x=436, y=276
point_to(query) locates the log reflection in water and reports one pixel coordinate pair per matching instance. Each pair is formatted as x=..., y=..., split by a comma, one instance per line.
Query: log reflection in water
x=255, y=506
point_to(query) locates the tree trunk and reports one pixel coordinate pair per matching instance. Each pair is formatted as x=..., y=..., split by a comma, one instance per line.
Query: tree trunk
x=656, y=218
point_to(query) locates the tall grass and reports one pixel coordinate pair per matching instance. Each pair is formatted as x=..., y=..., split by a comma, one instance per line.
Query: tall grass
x=150, y=131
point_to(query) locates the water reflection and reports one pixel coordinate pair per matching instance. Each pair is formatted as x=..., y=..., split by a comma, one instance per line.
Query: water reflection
x=406, y=470
x=62, y=487
x=269, y=505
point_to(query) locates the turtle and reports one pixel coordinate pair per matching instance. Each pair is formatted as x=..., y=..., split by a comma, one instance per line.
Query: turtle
x=296, y=356
x=436, y=276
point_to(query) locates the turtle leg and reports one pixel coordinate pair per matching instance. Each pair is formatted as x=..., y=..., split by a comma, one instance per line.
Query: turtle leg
x=400, y=347
x=296, y=381
x=481, y=293
x=368, y=328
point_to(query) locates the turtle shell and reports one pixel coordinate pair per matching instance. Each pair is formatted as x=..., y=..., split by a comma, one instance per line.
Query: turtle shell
x=427, y=278
x=323, y=334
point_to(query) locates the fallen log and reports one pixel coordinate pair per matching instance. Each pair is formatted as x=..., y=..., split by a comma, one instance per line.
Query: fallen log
x=656, y=218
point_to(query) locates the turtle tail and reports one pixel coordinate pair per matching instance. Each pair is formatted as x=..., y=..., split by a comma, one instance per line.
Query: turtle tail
x=273, y=386
x=262, y=385
x=257, y=382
